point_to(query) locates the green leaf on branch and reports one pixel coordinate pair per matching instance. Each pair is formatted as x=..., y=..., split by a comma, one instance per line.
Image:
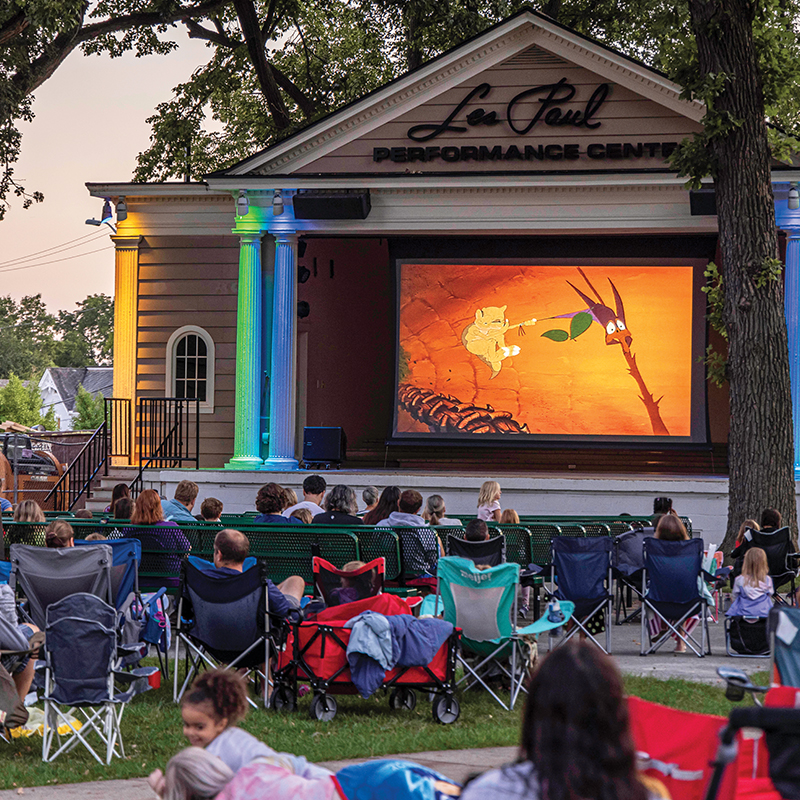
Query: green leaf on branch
x=771, y=270
x=556, y=335
x=715, y=292
x=580, y=324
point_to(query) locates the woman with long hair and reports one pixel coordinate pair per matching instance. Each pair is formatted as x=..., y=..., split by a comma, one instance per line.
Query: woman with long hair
x=119, y=491
x=387, y=503
x=576, y=737
x=28, y=511
x=158, y=535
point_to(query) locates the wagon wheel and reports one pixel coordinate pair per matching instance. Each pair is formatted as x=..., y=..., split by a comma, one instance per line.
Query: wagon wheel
x=446, y=709
x=402, y=698
x=323, y=708
x=283, y=699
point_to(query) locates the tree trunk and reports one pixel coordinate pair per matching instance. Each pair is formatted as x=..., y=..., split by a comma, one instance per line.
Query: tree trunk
x=761, y=440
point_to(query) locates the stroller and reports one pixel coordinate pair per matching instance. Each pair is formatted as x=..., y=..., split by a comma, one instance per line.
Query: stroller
x=316, y=654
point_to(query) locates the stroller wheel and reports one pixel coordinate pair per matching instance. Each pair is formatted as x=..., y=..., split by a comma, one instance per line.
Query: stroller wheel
x=323, y=708
x=446, y=709
x=283, y=699
x=403, y=699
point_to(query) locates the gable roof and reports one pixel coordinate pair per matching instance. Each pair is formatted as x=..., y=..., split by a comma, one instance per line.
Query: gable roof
x=527, y=36
x=94, y=379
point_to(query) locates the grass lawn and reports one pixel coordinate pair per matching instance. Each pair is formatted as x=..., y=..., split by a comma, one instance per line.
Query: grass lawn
x=152, y=731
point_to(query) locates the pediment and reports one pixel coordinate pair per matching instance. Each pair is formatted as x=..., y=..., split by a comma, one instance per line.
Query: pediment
x=526, y=96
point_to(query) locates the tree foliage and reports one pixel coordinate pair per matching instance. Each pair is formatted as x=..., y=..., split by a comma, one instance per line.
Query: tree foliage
x=23, y=405
x=89, y=411
x=32, y=339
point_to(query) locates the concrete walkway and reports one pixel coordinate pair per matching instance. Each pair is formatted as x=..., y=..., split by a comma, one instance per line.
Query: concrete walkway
x=459, y=764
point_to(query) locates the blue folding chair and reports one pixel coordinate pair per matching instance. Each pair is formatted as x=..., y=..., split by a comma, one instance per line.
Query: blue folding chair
x=223, y=620
x=581, y=571
x=672, y=591
x=126, y=556
x=483, y=604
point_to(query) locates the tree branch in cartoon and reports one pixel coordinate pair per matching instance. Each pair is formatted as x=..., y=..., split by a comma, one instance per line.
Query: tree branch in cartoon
x=616, y=332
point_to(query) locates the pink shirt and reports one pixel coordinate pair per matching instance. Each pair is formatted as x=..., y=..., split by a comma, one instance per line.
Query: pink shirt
x=486, y=512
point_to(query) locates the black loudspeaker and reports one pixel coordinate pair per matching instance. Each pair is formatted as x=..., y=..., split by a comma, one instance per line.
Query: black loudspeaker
x=703, y=203
x=316, y=204
x=324, y=447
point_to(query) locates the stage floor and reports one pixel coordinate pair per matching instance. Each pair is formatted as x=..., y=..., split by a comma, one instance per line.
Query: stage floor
x=702, y=498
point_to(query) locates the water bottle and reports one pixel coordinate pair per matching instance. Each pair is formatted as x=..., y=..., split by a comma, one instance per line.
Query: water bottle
x=554, y=612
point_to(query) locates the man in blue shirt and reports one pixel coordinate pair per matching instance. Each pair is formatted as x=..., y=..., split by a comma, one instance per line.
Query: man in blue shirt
x=231, y=548
x=180, y=509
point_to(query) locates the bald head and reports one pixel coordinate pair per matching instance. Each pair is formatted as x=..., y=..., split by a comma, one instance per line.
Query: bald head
x=231, y=548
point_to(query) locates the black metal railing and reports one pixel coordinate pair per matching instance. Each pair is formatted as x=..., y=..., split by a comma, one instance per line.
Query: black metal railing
x=118, y=423
x=78, y=477
x=169, y=435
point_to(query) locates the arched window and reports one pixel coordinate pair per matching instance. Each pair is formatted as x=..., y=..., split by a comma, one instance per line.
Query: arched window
x=190, y=366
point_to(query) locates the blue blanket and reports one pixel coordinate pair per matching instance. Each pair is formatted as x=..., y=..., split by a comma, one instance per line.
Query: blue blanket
x=379, y=643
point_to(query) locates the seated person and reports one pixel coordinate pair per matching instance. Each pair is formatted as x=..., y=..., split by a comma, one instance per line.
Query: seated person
x=20, y=667
x=180, y=508
x=509, y=517
x=26, y=511
x=313, y=491
x=211, y=509
x=59, y=534
x=270, y=501
x=753, y=589
x=123, y=509
x=476, y=530
x=84, y=513
x=370, y=497
x=407, y=515
x=355, y=588
x=409, y=504
x=96, y=537
x=435, y=512
x=340, y=508
x=5, y=505
x=303, y=514
x=231, y=548
x=117, y=493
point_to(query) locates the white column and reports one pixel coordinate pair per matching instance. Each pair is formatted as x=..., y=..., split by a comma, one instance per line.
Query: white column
x=283, y=379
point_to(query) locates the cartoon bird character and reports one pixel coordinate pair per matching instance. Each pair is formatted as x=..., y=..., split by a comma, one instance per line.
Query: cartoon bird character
x=614, y=323
x=485, y=337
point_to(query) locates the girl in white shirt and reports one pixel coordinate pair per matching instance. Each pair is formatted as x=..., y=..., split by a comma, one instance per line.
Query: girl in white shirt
x=489, y=501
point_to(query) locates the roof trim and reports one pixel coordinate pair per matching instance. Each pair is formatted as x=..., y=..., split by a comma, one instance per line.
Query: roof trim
x=391, y=94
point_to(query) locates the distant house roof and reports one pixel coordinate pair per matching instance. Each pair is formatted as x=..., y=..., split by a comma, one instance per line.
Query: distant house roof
x=93, y=379
x=4, y=383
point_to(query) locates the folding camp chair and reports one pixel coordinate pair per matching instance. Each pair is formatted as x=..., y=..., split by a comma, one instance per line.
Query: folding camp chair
x=781, y=558
x=223, y=620
x=581, y=569
x=46, y=575
x=490, y=552
x=627, y=565
x=419, y=553
x=672, y=592
x=80, y=677
x=747, y=637
x=163, y=548
x=126, y=556
x=337, y=586
x=483, y=604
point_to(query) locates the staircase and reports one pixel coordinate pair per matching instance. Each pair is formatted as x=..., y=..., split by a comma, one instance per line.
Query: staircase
x=101, y=493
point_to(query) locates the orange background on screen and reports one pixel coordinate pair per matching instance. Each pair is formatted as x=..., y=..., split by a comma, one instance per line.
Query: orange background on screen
x=579, y=387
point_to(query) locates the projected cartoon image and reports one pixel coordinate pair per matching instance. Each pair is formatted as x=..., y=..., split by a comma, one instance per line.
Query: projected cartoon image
x=467, y=365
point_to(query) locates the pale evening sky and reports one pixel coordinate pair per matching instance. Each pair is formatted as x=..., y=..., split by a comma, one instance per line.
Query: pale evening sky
x=89, y=126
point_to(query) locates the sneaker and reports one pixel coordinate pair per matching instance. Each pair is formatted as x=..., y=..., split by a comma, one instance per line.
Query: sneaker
x=523, y=611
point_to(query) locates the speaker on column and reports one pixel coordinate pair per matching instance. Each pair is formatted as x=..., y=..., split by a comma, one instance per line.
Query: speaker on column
x=324, y=447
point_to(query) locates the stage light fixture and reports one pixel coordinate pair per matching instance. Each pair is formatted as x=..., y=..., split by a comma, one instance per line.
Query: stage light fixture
x=302, y=244
x=303, y=309
x=277, y=203
x=242, y=204
x=108, y=214
x=794, y=197
x=122, y=210
x=303, y=274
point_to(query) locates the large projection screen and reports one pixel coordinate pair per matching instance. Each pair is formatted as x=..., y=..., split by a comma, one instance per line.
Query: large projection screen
x=559, y=351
